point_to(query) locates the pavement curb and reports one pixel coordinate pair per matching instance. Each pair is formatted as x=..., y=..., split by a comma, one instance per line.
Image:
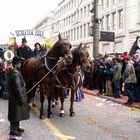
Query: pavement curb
x=111, y=99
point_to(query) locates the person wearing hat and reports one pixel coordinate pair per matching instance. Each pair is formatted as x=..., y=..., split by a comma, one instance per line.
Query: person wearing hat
x=18, y=104
x=38, y=51
x=24, y=50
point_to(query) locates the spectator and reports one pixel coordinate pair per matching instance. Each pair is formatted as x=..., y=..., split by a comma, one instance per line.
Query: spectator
x=129, y=78
x=116, y=77
x=108, y=73
x=100, y=76
x=18, y=105
x=38, y=51
x=79, y=92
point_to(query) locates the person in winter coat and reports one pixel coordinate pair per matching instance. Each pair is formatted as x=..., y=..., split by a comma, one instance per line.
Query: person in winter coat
x=18, y=105
x=100, y=76
x=24, y=50
x=108, y=74
x=38, y=51
x=3, y=81
x=129, y=78
x=116, y=77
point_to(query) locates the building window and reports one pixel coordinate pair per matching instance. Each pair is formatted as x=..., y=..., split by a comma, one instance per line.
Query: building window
x=71, y=34
x=84, y=12
x=84, y=30
x=74, y=36
x=113, y=1
x=102, y=24
x=80, y=31
x=88, y=9
x=102, y=4
x=108, y=22
x=107, y=3
x=120, y=19
x=77, y=15
x=77, y=32
x=114, y=20
x=88, y=26
x=81, y=13
x=72, y=4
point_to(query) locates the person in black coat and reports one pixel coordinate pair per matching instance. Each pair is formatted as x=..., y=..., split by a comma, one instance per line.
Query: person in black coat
x=24, y=50
x=18, y=105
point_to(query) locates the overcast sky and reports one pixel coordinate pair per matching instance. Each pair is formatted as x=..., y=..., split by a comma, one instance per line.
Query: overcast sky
x=22, y=14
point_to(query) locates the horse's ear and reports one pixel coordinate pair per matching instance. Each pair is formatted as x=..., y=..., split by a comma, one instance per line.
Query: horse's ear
x=85, y=46
x=80, y=45
x=59, y=37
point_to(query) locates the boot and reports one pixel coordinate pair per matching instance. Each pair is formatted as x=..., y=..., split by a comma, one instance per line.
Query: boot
x=21, y=130
x=17, y=133
x=14, y=126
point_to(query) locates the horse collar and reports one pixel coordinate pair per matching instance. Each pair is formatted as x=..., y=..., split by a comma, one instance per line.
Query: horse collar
x=70, y=73
x=46, y=65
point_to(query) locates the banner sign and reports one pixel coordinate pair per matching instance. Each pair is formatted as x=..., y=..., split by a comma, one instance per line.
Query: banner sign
x=30, y=32
x=12, y=40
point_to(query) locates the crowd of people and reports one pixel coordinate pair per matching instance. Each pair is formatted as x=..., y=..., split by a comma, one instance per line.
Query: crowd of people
x=24, y=51
x=115, y=76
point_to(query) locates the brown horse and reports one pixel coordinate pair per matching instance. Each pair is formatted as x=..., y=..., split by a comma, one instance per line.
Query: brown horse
x=36, y=68
x=68, y=77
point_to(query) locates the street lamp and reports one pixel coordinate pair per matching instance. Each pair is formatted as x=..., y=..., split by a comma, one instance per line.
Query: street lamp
x=96, y=11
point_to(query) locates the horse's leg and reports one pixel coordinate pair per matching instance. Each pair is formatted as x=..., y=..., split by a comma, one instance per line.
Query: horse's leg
x=62, y=112
x=72, y=113
x=42, y=98
x=30, y=95
x=55, y=98
x=50, y=96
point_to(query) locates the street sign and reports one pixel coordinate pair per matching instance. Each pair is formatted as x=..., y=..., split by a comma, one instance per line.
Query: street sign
x=107, y=36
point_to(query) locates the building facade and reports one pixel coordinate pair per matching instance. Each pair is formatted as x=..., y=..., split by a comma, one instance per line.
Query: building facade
x=72, y=18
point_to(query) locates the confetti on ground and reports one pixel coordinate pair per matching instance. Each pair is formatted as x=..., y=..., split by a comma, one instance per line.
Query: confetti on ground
x=99, y=104
x=132, y=108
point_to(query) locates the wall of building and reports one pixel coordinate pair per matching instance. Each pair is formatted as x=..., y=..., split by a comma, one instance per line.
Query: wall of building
x=72, y=18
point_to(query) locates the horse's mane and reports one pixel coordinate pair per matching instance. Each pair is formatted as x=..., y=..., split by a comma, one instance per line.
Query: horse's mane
x=75, y=51
x=134, y=47
x=55, y=45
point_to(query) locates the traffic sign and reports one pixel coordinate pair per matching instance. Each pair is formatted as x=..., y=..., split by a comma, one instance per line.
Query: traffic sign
x=107, y=36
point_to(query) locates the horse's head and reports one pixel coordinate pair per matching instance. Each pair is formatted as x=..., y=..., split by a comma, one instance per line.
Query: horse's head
x=65, y=49
x=82, y=55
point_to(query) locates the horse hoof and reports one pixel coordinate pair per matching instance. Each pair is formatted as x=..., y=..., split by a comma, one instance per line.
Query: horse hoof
x=42, y=117
x=50, y=115
x=72, y=114
x=62, y=114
